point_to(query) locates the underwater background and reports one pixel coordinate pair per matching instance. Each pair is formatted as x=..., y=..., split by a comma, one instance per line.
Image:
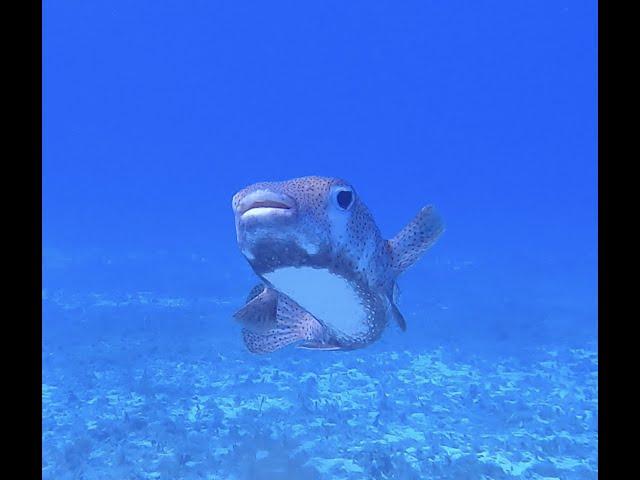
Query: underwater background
x=156, y=113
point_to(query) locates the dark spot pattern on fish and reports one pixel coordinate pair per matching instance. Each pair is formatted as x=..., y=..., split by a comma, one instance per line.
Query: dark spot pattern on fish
x=315, y=244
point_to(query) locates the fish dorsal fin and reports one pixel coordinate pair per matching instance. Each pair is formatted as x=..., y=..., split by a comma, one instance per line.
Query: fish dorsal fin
x=415, y=238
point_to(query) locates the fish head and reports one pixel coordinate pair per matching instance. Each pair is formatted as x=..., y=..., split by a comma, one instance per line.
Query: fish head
x=304, y=221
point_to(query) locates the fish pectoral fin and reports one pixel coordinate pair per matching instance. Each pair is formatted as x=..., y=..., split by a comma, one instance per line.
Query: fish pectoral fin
x=415, y=238
x=259, y=314
x=292, y=324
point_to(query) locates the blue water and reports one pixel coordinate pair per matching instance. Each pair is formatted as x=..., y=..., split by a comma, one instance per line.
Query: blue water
x=156, y=113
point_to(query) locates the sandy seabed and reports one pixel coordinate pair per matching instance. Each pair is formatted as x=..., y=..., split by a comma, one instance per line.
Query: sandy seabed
x=160, y=406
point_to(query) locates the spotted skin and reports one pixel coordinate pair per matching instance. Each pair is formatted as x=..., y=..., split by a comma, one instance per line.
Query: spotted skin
x=292, y=324
x=322, y=223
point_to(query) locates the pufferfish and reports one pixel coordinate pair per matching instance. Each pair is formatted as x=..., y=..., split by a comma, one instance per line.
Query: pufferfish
x=328, y=277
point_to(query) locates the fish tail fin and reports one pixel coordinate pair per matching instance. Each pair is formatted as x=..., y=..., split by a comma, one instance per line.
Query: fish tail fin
x=415, y=238
x=292, y=324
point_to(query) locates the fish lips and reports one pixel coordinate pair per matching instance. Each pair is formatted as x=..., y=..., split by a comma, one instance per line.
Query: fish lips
x=264, y=208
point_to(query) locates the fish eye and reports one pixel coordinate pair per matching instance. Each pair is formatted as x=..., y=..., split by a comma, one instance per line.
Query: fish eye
x=344, y=198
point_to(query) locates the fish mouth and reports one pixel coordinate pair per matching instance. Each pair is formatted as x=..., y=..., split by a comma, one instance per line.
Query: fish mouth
x=265, y=203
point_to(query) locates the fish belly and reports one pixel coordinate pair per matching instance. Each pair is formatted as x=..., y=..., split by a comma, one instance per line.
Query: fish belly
x=330, y=298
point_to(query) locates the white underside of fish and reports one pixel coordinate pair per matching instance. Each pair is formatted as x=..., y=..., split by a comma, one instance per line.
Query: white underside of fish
x=328, y=297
